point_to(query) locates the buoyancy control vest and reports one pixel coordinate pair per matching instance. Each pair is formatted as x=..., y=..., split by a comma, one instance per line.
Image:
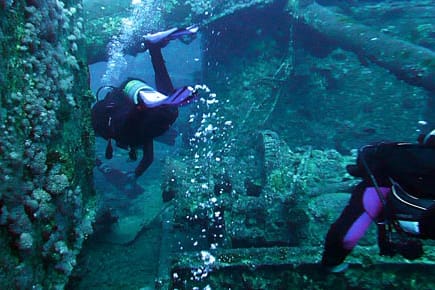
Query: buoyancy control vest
x=118, y=117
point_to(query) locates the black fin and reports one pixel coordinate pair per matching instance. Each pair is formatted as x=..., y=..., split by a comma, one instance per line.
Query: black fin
x=132, y=154
x=109, y=150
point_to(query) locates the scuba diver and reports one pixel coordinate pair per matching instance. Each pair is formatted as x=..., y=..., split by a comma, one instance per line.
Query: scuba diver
x=134, y=113
x=397, y=191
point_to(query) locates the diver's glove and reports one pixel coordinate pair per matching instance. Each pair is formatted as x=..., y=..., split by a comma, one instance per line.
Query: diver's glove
x=394, y=243
x=131, y=176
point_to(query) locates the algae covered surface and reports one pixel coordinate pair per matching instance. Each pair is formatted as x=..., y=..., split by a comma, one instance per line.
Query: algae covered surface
x=46, y=194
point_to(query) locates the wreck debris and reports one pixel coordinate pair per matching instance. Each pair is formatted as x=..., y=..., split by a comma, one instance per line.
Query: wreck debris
x=409, y=62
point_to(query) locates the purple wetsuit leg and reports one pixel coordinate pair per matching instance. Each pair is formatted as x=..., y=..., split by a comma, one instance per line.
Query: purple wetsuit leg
x=345, y=232
x=372, y=206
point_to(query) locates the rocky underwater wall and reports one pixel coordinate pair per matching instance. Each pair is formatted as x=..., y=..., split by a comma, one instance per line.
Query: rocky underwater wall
x=46, y=143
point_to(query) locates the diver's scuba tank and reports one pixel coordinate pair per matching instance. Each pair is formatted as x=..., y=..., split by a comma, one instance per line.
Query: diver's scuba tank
x=140, y=92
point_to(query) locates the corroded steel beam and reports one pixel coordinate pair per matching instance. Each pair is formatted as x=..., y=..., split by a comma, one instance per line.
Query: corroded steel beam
x=409, y=62
x=295, y=268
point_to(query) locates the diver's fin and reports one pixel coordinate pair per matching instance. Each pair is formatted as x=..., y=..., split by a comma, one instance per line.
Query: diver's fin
x=160, y=36
x=179, y=97
x=340, y=268
x=163, y=37
x=193, y=29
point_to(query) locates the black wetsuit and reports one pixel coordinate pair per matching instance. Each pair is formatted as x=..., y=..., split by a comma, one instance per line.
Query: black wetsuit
x=133, y=126
x=410, y=165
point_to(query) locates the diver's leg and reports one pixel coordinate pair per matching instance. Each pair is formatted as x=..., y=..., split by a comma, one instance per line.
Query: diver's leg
x=364, y=207
x=163, y=81
x=372, y=207
x=334, y=251
x=147, y=158
x=427, y=224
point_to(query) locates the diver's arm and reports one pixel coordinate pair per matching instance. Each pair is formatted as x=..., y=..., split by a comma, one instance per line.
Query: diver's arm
x=372, y=157
x=147, y=158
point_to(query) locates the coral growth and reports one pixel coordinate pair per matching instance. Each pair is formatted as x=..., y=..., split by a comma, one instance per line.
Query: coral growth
x=43, y=203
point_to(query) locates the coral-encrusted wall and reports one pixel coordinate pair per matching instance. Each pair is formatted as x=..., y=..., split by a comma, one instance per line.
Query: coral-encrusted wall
x=46, y=143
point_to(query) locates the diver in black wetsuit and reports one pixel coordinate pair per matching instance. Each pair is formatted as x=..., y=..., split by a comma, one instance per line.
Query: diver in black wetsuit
x=397, y=191
x=133, y=114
